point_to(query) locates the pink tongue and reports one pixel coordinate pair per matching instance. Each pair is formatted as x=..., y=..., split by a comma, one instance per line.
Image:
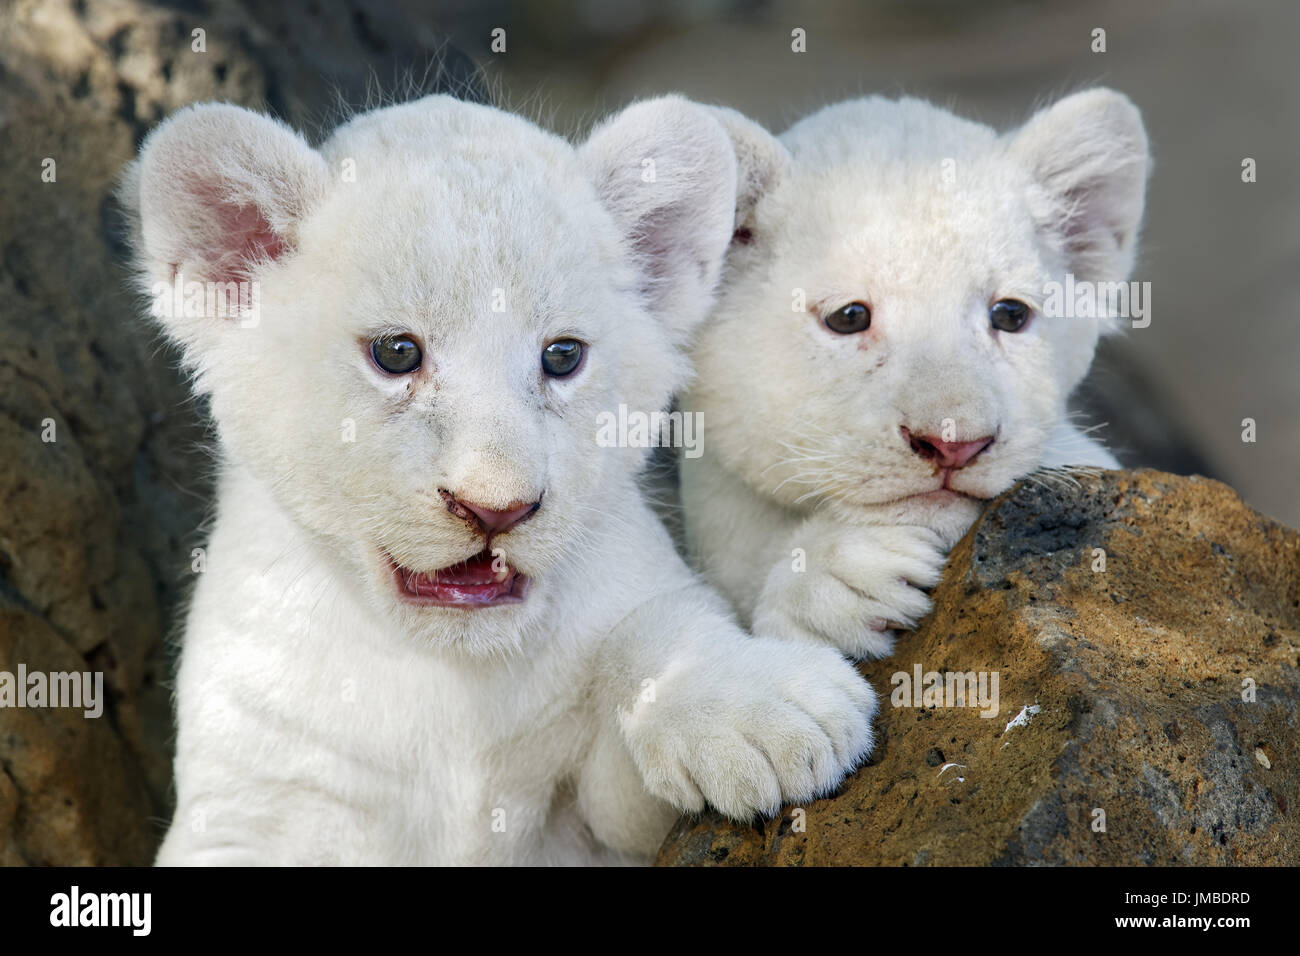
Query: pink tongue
x=474, y=573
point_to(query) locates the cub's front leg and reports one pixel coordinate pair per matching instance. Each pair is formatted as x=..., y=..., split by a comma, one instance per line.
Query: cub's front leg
x=709, y=715
x=846, y=584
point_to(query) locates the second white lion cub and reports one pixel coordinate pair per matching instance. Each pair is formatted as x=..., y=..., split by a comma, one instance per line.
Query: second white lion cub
x=437, y=622
x=884, y=354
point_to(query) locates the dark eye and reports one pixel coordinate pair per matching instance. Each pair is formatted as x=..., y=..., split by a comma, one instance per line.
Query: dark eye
x=562, y=357
x=853, y=317
x=1009, y=315
x=398, y=354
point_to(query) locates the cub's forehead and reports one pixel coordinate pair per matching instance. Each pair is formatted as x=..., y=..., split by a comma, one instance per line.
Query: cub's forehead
x=972, y=197
x=440, y=201
x=463, y=158
x=878, y=130
x=906, y=226
x=906, y=186
x=439, y=123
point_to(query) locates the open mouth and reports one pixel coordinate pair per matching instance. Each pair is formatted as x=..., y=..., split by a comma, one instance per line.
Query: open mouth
x=480, y=581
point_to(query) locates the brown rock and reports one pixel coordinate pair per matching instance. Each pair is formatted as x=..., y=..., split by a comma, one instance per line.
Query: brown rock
x=97, y=525
x=99, y=500
x=1141, y=674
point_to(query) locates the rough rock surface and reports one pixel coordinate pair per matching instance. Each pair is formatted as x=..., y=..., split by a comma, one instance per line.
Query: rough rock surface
x=97, y=525
x=98, y=503
x=1141, y=674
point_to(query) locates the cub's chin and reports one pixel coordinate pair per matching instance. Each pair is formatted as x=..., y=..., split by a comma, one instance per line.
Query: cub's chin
x=948, y=513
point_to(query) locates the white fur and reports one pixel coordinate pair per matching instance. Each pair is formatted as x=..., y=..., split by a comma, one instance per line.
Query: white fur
x=805, y=453
x=320, y=719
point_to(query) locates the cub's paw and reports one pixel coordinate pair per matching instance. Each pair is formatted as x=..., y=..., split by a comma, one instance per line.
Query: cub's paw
x=761, y=724
x=858, y=583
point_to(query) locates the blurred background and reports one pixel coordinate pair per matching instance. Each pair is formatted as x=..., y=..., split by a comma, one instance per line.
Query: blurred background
x=97, y=527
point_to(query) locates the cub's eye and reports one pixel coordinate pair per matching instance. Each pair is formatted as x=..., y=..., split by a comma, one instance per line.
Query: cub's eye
x=1009, y=315
x=398, y=354
x=853, y=317
x=562, y=357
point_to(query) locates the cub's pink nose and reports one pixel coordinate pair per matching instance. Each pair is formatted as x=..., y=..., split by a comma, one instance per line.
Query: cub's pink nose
x=946, y=454
x=491, y=520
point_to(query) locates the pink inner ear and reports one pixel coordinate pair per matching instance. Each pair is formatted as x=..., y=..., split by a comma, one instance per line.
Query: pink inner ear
x=246, y=238
x=258, y=238
x=242, y=235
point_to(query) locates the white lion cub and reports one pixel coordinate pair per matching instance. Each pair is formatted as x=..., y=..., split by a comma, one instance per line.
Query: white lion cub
x=437, y=623
x=885, y=353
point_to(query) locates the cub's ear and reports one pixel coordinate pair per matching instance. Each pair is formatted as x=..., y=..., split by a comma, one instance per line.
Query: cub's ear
x=761, y=163
x=217, y=191
x=666, y=170
x=1089, y=159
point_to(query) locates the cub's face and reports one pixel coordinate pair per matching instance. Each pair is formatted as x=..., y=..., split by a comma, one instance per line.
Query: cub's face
x=881, y=338
x=436, y=334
